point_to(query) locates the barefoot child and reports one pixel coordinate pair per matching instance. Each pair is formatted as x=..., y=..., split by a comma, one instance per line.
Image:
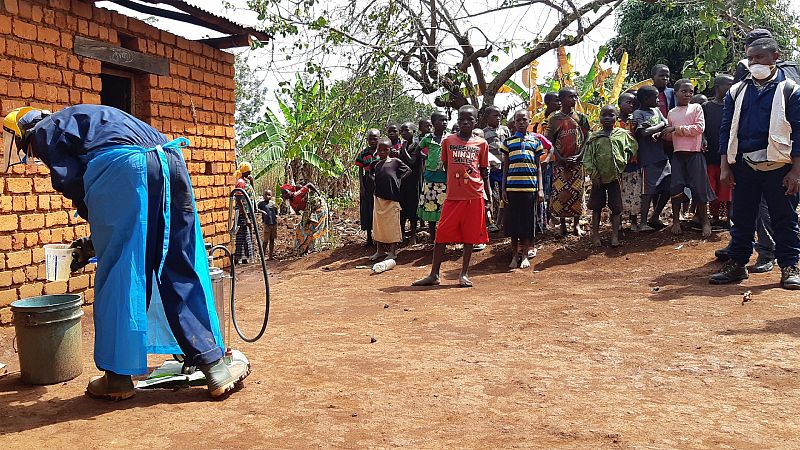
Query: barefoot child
x=434, y=178
x=365, y=160
x=631, y=180
x=653, y=160
x=567, y=130
x=389, y=173
x=495, y=134
x=269, y=214
x=410, y=186
x=605, y=155
x=685, y=130
x=466, y=159
x=712, y=112
x=522, y=188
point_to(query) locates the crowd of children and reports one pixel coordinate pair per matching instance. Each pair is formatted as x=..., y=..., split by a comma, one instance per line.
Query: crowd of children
x=656, y=146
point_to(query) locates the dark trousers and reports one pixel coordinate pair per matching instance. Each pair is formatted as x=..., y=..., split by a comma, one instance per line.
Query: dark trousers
x=179, y=281
x=751, y=185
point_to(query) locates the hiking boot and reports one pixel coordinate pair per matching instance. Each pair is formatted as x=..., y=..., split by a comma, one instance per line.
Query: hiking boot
x=790, y=278
x=761, y=266
x=223, y=378
x=111, y=387
x=731, y=272
x=722, y=254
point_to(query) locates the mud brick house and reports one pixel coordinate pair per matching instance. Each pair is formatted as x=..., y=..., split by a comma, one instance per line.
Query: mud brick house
x=55, y=53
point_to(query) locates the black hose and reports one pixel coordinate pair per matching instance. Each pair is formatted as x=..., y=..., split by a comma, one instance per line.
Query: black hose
x=251, y=218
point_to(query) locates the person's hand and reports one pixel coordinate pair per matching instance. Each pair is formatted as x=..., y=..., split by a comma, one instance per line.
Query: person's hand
x=573, y=159
x=726, y=175
x=83, y=250
x=540, y=196
x=505, y=197
x=792, y=182
x=487, y=205
x=656, y=136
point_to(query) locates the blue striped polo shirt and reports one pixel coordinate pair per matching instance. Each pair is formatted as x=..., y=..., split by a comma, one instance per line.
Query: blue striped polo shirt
x=523, y=157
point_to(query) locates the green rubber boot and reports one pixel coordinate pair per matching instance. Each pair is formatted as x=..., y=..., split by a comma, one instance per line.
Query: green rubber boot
x=111, y=387
x=223, y=378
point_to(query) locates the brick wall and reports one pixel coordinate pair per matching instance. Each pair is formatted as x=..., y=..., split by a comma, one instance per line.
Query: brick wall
x=39, y=68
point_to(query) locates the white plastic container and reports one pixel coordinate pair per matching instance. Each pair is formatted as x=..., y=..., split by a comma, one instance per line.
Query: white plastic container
x=383, y=266
x=57, y=259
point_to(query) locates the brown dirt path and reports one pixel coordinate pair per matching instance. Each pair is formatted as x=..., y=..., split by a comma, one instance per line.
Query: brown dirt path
x=583, y=353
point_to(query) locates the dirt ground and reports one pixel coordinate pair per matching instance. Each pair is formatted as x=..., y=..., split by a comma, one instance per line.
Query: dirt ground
x=623, y=348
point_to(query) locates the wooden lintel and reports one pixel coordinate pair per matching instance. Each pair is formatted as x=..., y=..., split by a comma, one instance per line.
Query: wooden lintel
x=121, y=57
x=235, y=41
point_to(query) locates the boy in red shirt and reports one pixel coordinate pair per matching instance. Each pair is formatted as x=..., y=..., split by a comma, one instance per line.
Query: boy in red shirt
x=466, y=160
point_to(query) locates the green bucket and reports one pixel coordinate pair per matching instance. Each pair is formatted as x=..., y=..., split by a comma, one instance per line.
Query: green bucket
x=48, y=331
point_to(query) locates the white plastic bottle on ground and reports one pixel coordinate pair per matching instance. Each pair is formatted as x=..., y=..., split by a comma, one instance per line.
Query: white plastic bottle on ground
x=383, y=266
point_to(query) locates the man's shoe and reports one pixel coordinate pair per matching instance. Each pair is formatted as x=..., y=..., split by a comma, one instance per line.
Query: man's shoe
x=790, y=278
x=111, y=387
x=731, y=272
x=761, y=266
x=722, y=254
x=223, y=378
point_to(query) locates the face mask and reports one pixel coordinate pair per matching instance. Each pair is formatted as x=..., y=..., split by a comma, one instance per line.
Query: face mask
x=761, y=71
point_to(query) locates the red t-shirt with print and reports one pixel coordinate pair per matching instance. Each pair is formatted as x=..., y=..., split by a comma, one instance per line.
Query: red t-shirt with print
x=464, y=160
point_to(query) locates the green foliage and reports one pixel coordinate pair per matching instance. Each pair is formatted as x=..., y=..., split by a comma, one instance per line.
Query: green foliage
x=698, y=38
x=250, y=94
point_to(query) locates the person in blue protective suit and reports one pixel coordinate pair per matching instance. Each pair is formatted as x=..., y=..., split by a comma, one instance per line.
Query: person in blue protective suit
x=152, y=286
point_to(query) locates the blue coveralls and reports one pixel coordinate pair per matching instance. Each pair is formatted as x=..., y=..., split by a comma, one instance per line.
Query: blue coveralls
x=754, y=187
x=151, y=265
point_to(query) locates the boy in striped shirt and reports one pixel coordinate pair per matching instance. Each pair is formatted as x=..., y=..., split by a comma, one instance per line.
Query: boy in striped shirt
x=522, y=187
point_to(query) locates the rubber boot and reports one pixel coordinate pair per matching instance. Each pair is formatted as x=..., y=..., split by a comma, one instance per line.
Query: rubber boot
x=111, y=387
x=223, y=378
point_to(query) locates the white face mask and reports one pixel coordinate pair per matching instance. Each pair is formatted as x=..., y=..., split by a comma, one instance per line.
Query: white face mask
x=761, y=71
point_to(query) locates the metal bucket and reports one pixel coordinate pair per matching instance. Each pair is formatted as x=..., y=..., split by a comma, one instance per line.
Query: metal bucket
x=220, y=298
x=48, y=332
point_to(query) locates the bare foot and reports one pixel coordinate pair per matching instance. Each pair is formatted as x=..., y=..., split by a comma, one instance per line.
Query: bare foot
x=430, y=280
x=524, y=264
x=464, y=282
x=615, y=242
x=514, y=262
x=596, y=241
x=706, y=229
x=413, y=241
x=676, y=228
x=391, y=256
x=377, y=256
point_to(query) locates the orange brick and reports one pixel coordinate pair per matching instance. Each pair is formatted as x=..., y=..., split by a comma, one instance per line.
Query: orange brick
x=24, y=30
x=5, y=279
x=31, y=221
x=56, y=218
x=27, y=71
x=31, y=290
x=5, y=67
x=31, y=240
x=79, y=282
x=48, y=36
x=57, y=287
x=19, y=185
x=18, y=259
x=26, y=89
x=82, y=9
x=82, y=81
x=7, y=295
x=49, y=75
x=38, y=255
x=18, y=276
x=5, y=243
x=90, y=98
x=91, y=66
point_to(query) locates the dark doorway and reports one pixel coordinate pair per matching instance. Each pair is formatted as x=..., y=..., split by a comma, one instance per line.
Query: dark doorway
x=117, y=91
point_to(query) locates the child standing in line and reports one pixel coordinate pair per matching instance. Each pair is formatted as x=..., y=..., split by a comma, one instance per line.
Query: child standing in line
x=389, y=173
x=466, y=159
x=366, y=184
x=712, y=111
x=270, y=217
x=567, y=130
x=423, y=129
x=410, y=186
x=434, y=178
x=631, y=179
x=685, y=130
x=495, y=134
x=393, y=133
x=522, y=188
x=605, y=156
x=652, y=158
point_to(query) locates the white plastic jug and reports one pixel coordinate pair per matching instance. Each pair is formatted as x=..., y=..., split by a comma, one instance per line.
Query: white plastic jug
x=57, y=259
x=383, y=266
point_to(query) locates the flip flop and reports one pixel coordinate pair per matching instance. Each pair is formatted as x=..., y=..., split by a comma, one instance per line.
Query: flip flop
x=464, y=282
x=427, y=281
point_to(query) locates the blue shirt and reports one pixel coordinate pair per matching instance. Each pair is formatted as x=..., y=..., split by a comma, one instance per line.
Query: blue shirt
x=754, y=118
x=523, y=154
x=61, y=138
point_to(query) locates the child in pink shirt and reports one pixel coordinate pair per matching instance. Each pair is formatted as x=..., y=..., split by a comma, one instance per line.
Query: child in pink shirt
x=685, y=129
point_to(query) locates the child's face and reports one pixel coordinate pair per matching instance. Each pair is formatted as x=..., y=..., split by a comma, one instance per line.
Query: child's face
x=466, y=122
x=383, y=151
x=372, y=140
x=722, y=90
x=569, y=100
x=268, y=195
x=684, y=94
x=650, y=101
x=608, y=118
x=405, y=132
x=661, y=79
x=424, y=127
x=493, y=118
x=521, y=121
x=439, y=125
x=553, y=103
x=392, y=132
x=627, y=103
